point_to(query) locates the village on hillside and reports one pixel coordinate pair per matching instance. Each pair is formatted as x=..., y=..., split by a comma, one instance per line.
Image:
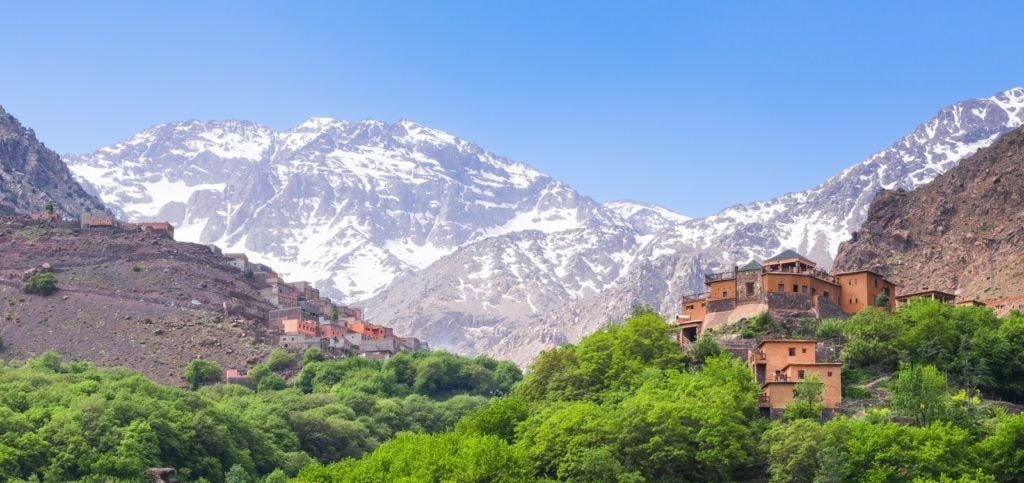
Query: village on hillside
x=300, y=318
x=789, y=285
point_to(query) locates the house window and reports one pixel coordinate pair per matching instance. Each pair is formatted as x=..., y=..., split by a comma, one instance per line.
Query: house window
x=825, y=293
x=800, y=374
x=803, y=289
x=856, y=300
x=829, y=373
x=792, y=351
x=803, y=350
x=750, y=288
x=725, y=294
x=782, y=287
x=814, y=291
x=689, y=307
x=876, y=281
x=796, y=288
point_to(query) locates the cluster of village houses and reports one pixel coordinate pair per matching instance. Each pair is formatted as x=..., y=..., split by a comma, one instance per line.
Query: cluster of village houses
x=301, y=319
x=789, y=283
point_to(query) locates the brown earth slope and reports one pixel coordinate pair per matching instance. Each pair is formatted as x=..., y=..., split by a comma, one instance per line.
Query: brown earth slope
x=130, y=299
x=963, y=233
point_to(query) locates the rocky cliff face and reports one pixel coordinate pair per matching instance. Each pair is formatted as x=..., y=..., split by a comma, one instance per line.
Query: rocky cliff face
x=31, y=175
x=474, y=252
x=962, y=233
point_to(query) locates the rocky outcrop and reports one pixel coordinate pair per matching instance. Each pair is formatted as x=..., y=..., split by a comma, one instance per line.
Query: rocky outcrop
x=962, y=233
x=32, y=176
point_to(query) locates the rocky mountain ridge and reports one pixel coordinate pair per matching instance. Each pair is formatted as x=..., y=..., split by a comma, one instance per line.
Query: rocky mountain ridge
x=32, y=175
x=472, y=251
x=962, y=233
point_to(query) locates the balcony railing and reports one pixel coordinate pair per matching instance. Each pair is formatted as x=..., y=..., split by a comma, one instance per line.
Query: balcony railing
x=714, y=277
x=695, y=297
x=781, y=378
x=758, y=355
x=763, y=400
x=814, y=272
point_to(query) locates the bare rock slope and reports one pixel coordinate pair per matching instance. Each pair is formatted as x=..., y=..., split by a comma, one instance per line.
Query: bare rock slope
x=32, y=176
x=962, y=233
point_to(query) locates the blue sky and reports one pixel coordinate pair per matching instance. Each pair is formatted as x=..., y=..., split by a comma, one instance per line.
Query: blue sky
x=695, y=107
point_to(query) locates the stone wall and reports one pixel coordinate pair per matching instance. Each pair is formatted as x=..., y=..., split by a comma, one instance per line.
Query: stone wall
x=752, y=277
x=789, y=301
x=721, y=305
x=827, y=309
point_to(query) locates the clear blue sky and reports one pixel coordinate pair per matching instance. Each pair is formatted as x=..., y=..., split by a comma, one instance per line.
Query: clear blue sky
x=694, y=107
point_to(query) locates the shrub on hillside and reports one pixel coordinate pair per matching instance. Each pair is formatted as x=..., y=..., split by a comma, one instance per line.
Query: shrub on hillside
x=41, y=283
x=201, y=371
x=281, y=359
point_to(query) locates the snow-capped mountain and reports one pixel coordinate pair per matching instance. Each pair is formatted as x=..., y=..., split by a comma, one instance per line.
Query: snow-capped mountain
x=472, y=251
x=347, y=206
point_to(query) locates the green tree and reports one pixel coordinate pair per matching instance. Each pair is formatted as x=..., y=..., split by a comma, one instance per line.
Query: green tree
x=921, y=393
x=312, y=355
x=280, y=360
x=808, y=395
x=237, y=474
x=706, y=347
x=499, y=418
x=44, y=283
x=276, y=476
x=1003, y=451
x=49, y=208
x=272, y=382
x=793, y=450
x=201, y=371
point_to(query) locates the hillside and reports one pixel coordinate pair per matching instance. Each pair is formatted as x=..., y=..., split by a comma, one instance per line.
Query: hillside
x=134, y=299
x=443, y=240
x=962, y=233
x=31, y=175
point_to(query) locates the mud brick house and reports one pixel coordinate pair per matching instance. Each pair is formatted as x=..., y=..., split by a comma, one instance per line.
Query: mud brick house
x=411, y=344
x=158, y=227
x=370, y=330
x=237, y=260
x=95, y=221
x=778, y=365
x=45, y=216
x=865, y=288
x=939, y=295
x=787, y=283
x=234, y=376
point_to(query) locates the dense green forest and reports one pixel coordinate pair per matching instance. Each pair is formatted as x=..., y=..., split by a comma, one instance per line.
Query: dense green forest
x=69, y=421
x=624, y=404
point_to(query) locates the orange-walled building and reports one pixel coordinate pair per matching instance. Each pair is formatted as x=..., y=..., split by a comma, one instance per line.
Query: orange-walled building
x=862, y=289
x=788, y=281
x=300, y=326
x=778, y=365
